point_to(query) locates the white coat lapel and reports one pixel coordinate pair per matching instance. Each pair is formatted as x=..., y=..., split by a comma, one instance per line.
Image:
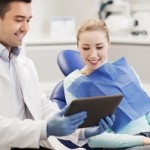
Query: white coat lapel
x=7, y=94
x=3, y=73
x=30, y=94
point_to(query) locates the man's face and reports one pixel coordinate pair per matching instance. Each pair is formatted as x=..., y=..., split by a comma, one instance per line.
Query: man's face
x=15, y=24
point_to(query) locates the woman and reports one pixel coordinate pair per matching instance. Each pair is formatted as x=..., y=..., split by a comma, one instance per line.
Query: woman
x=101, y=78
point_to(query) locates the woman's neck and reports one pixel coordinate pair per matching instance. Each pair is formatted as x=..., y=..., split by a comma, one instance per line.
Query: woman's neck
x=86, y=71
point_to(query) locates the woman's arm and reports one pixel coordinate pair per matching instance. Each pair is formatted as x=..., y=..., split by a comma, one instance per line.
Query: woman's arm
x=67, y=82
x=111, y=140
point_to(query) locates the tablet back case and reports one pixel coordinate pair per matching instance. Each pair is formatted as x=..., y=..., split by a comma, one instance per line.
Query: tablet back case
x=96, y=107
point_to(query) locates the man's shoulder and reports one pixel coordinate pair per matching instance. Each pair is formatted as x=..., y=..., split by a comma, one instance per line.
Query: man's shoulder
x=24, y=58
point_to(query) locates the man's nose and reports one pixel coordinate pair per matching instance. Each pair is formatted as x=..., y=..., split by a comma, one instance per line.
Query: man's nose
x=25, y=26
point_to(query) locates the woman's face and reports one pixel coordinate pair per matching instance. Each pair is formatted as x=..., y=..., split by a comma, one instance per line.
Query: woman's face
x=93, y=47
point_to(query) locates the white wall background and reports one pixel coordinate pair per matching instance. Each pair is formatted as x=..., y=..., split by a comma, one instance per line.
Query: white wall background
x=44, y=10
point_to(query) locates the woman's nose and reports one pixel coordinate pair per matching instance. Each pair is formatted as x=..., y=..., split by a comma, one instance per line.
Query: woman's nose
x=93, y=53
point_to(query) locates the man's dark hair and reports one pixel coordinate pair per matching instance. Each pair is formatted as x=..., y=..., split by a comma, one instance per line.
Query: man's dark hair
x=4, y=5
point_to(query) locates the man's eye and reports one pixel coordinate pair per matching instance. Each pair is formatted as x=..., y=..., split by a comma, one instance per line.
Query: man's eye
x=28, y=20
x=18, y=20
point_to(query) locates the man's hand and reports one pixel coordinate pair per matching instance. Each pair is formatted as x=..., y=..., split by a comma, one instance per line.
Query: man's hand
x=104, y=124
x=60, y=125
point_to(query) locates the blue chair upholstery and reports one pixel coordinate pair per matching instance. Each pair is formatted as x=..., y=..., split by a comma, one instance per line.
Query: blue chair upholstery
x=68, y=61
x=58, y=96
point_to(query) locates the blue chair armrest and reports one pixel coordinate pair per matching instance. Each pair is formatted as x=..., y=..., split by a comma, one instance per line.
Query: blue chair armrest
x=58, y=96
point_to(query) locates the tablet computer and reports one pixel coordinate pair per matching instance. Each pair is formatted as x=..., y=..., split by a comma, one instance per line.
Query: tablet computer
x=96, y=108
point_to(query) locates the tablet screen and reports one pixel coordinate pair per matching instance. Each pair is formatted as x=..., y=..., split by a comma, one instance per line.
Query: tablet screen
x=96, y=108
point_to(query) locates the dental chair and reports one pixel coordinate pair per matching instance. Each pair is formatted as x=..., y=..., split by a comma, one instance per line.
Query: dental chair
x=68, y=61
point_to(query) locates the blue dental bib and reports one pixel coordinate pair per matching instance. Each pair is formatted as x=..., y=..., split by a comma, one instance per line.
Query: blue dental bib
x=115, y=78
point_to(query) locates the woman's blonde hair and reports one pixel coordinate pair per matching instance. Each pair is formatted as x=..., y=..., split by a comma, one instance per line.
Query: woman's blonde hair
x=92, y=25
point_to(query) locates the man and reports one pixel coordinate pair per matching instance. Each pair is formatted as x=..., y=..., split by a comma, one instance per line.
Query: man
x=27, y=118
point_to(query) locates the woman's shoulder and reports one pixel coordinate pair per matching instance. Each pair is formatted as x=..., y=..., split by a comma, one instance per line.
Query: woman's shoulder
x=72, y=76
x=75, y=74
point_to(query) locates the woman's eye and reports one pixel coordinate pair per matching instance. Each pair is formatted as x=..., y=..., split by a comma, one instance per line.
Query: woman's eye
x=99, y=47
x=86, y=48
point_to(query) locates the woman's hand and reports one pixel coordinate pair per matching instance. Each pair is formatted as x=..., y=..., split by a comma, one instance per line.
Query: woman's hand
x=104, y=124
x=146, y=141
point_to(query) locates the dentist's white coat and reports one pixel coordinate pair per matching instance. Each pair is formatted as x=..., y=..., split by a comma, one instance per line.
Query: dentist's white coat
x=16, y=133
